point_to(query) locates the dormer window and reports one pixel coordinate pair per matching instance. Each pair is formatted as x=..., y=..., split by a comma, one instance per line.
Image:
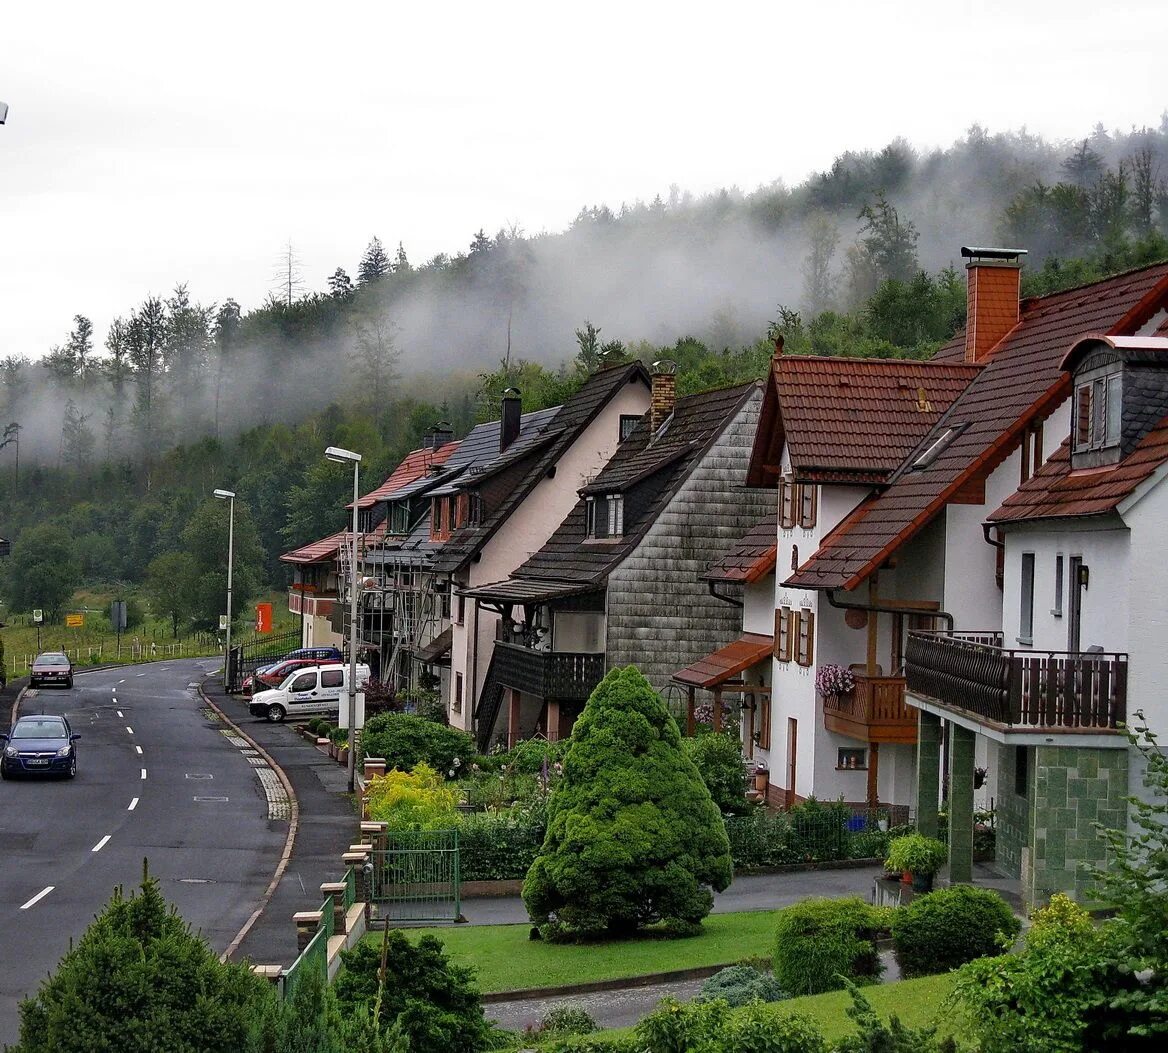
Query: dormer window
x=605, y=516
x=1098, y=410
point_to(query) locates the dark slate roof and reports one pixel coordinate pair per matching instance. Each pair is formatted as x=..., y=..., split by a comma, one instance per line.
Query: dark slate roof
x=539, y=452
x=525, y=590
x=480, y=449
x=695, y=425
x=1020, y=382
x=751, y=557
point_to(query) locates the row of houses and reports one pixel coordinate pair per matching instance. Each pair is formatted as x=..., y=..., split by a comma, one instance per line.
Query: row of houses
x=911, y=584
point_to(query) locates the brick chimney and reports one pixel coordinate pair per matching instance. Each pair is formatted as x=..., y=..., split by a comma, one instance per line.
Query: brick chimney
x=664, y=394
x=439, y=435
x=509, y=423
x=994, y=281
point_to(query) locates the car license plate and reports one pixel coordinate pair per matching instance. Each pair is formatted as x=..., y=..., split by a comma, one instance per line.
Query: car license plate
x=36, y=760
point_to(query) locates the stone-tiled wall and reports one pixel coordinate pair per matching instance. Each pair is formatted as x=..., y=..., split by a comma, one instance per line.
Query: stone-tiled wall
x=1074, y=787
x=1012, y=813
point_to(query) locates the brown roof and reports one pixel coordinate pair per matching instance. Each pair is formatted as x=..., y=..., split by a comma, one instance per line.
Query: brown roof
x=417, y=464
x=1057, y=491
x=720, y=665
x=322, y=551
x=850, y=419
x=1021, y=382
x=751, y=557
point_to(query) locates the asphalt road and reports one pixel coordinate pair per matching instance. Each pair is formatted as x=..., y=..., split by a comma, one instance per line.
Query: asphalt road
x=156, y=779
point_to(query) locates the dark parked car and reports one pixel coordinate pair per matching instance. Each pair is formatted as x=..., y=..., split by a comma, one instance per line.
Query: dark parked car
x=39, y=746
x=51, y=668
x=274, y=675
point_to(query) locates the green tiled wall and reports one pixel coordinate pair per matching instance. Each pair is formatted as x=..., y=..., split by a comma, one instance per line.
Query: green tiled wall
x=1012, y=819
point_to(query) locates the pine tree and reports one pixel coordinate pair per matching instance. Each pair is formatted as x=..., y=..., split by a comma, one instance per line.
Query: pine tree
x=374, y=264
x=340, y=285
x=633, y=836
x=401, y=263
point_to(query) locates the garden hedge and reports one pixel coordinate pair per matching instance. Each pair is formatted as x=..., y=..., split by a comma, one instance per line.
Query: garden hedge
x=947, y=928
x=406, y=741
x=818, y=942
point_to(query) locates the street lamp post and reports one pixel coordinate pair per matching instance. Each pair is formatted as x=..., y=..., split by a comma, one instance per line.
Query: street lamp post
x=335, y=453
x=229, y=497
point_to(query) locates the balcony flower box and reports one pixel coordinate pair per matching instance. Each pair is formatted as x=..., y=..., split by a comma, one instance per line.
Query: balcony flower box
x=832, y=681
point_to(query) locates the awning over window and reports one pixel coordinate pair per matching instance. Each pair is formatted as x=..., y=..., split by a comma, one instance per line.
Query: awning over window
x=437, y=647
x=727, y=662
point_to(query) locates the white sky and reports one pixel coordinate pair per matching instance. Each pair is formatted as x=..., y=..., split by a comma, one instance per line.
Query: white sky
x=150, y=143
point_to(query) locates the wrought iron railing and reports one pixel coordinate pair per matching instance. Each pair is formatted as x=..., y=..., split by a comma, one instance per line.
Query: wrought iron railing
x=1018, y=688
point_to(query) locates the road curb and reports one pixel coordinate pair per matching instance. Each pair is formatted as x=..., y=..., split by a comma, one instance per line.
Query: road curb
x=16, y=705
x=293, y=823
x=623, y=983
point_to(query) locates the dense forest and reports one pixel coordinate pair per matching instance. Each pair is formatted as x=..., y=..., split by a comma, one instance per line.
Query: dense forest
x=111, y=445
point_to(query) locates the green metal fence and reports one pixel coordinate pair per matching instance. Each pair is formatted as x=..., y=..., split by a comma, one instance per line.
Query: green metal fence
x=314, y=958
x=416, y=877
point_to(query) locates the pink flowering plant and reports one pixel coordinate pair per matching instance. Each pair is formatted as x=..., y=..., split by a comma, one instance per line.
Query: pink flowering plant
x=834, y=680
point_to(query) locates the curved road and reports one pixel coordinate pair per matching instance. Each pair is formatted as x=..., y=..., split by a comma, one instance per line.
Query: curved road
x=157, y=779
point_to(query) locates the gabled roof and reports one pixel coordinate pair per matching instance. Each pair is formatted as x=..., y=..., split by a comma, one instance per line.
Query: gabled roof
x=532, y=456
x=1058, y=492
x=849, y=419
x=322, y=551
x=1020, y=383
x=417, y=465
x=727, y=662
x=697, y=422
x=750, y=558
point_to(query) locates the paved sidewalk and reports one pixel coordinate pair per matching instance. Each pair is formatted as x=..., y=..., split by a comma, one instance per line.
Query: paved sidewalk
x=328, y=825
x=749, y=892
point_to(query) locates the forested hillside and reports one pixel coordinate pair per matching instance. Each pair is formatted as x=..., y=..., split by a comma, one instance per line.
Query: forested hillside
x=112, y=443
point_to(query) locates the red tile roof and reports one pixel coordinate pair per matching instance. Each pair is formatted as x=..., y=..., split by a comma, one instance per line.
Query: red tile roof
x=750, y=558
x=719, y=666
x=417, y=463
x=856, y=419
x=322, y=551
x=1058, y=491
x=1020, y=382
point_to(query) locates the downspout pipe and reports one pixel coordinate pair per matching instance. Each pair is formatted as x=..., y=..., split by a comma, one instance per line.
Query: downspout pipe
x=985, y=533
x=712, y=585
x=879, y=608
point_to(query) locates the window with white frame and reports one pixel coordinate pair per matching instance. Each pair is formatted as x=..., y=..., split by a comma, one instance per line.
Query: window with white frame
x=1098, y=404
x=616, y=515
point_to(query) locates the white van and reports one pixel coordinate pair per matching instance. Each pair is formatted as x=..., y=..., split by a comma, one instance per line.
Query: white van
x=308, y=692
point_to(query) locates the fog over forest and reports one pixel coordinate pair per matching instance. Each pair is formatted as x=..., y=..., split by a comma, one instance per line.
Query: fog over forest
x=714, y=267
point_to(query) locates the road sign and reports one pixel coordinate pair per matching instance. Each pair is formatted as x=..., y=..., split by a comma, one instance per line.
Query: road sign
x=38, y=616
x=118, y=615
x=263, y=621
x=74, y=621
x=222, y=622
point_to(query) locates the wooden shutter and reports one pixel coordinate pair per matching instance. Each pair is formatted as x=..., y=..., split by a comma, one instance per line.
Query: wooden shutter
x=787, y=504
x=783, y=634
x=805, y=638
x=808, y=504
x=764, y=718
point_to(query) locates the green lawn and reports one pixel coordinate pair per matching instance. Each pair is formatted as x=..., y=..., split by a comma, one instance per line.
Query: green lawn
x=916, y=1002
x=507, y=960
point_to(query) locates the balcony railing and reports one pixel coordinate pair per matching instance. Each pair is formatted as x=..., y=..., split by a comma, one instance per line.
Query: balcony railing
x=312, y=604
x=567, y=676
x=874, y=712
x=1062, y=690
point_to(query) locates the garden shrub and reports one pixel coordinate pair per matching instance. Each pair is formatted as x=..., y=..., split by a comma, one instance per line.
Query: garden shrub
x=755, y=1029
x=528, y=756
x=738, y=985
x=433, y=1002
x=718, y=758
x=1071, y=989
x=682, y=1027
x=818, y=941
x=820, y=831
x=139, y=980
x=497, y=847
x=711, y=1027
x=417, y=800
x=567, y=1020
x=406, y=741
x=873, y=1035
x=947, y=928
x=633, y=835
x=917, y=854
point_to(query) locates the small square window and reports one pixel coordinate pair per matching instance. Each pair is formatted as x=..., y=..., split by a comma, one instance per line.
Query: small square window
x=628, y=424
x=856, y=759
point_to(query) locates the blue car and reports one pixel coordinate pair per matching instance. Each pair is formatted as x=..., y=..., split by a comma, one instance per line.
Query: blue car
x=39, y=745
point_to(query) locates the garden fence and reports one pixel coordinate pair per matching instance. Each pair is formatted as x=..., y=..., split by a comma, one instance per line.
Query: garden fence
x=416, y=878
x=128, y=650
x=259, y=650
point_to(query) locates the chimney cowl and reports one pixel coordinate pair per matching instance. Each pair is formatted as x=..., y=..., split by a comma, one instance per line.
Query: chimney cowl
x=439, y=435
x=779, y=345
x=510, y=418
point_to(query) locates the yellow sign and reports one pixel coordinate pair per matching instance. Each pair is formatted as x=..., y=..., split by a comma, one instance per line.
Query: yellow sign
x=74, y=621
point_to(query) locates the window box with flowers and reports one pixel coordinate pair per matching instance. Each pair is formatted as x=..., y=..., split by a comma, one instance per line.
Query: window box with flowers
x=832, y=681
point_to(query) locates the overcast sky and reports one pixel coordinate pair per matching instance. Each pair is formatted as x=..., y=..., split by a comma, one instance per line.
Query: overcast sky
x=151, y=143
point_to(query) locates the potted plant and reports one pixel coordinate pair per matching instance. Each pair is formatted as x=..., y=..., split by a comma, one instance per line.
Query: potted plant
x=917, y=855
x=762, y=775
x=831, y=681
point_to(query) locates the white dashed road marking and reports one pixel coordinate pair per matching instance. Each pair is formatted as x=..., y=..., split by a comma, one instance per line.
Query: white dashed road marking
x=139, y=674
x=133, y=804
x=129, y=729
x=139, y=749
x=38, y=897
x=101, y=844
x=121, y=681
x=120, y=714
x=143, y=773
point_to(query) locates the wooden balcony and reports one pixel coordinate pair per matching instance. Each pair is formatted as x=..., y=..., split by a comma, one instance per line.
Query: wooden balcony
x=874, y=712
x=562, y=676
x=1018, y=690
x=312, y=604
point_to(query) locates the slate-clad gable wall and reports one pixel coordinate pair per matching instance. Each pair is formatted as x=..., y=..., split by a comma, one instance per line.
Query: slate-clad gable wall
x=660, y=616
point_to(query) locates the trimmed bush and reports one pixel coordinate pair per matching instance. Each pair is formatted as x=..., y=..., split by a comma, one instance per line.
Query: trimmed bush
x=496, y=847
x=711, y=1027
x=406, y=741
x=633, y=835
x=818, y=941
x=739, y=985
x=718, y=759
x=947, y=928
x=567, y=1020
